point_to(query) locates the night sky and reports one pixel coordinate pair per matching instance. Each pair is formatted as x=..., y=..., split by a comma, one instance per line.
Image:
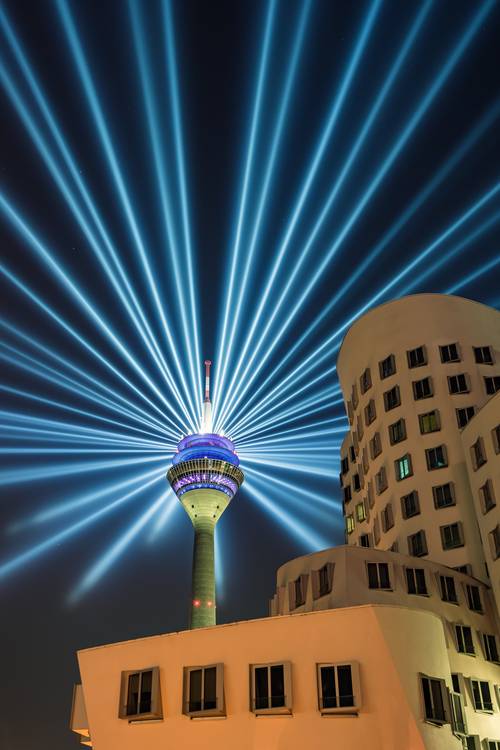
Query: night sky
x=428, y=157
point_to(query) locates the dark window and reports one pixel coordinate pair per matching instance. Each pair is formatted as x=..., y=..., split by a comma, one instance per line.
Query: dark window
x=482, y=695
x=347, y=494
x=496, y=438
x=139, y=693
x=474, y=598
x=300, y=591
x=465, y=644
x=378, y=576
x=345, y=465
x=458, y=383
x=436, y=457
x=495, y=542
x=451, y=536
x=492, y=384
x=356, y=482
x=417, y=357
x=487, y=496
x=459, y=724
x=269, y=687
x=410, y=505
x=375, y=445
x=490, y=647
x=482, y=355
x=381, y=481
x=422, y=389
x=433, y=700
x=417, y=544
x=465, y=415
x=324, y=580
x=392, y=398
x=397, y=432
x=354, y=397
x=455, y=681
x=365, y=381
x=370, y=412
x=403, y=467
x=336, y=686
x=415, y=580
x=443, y=495
x=387, y=517
x=364, y=540
x=478, y=455
x=467, y=569
x=202, y=689
x=429, y=422
x=352, y=454
x=449, y=353
x=387, y=367
x=448, y=590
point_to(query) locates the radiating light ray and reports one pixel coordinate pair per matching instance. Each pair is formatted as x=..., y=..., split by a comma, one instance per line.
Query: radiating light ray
x=470, y=277
x=222, y=352
x=20, y=433
x=296, y=467
x=117, y=549
x=310, y=495
x=317, y=505
x=453, y=59
x=286, y=440
x=303, y=427
x=164, y=516
x=10, y=566
x=326, y=134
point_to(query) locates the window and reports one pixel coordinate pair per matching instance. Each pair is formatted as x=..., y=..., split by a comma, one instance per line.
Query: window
x=410, y=505
x=378, y=576
x=458, y=720
x=415, y=581
x=322, y=580
x=481, y=695
x=370, y=412
x=452, y=536
x=482, y=355
x=360, y=512
x=478, y=455
x=448, y=590
x=364, y=460
x=364, y=540
x=356, y=482
x=387, y=367
x=387, y=517
x=339, y=688
x=347, y=494
x=359, y=429
x=271, y=688
x=369, y=494
x=449, y=353
x=456, y=681
x=365, y=381
x=466, y=569
x=492, y=744
x=473, y=598
x=465, y=415
x=436, y=457
x=204, y=691
x=376, y=531
x=349, y=523
x=458, y=383
x=422, y=389
x=417, y=357
x=140, y=696
x=381, y=481
x=352, y=454
x=495, y=542
x=434, y=692
x=496, y=438
x=429, y=422
x=397, y=432
x=492, y=385
x=471, y=742
x=403, y=467
x=354, y=397
x=465, y=644
x=444, y=495
x=392, y=398
x=487, y=496
x=350, y=413
x=394, y=547
x=417, y=544
x=297, y=591
x=375, y=445
x=490, y=647
x=345, y=465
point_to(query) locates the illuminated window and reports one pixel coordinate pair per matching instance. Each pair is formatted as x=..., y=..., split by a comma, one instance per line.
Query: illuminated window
x=410, y=505
x=339, y=688
x=417, y=544
x=458, y=383
x=478, y=455
x=487, y=496
x=452, y=536
x=392, y=398
x=473, y=598
x=483, y=355
x=490, y=647
x=434, y=695
x=465, y=644
x=403, y=467
x=492, y=385
x=448, y=590
x=204, y=691
x=417, y=357
x=365, y=381
x=387, y=367
x=271, y=688
x=140, y=696
x=481, y=695
x=397, y=432
x=465, y=415
x=429, y=422
x=422, y=389
x=349, y=523
x=415, y=581
x=449, y=353
x=444, y=495
x=361, y=512
x=378, y=576
x=436, y=457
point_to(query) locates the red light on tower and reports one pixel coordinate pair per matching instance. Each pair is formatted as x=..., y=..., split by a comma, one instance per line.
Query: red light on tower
x=209, y=604
x=196, y=602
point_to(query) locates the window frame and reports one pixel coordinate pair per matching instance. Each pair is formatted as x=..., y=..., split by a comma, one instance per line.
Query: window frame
x=487, y=651
x=220, y=707
x=446, y=360
x=388, y=404
x=478, y=454
x=401, y=425
x=495, y=384
x=444, y=699
x=391, y=360
x=421, y=535
x=390, y=575
x=356, y=688
x=421, y=417
x=437, y=487
x=407, y=570
x=419, y=392
x=404, y=513
x=287, y=684
x=464, y=410
x=316, y=580
x=365, y=380
x=481, y=360
x=461, y=540
x=456, y=379
x=410, y=352
x=441, y=587
x=469, y=591
x=481, y=710
x=461, y=639
x=428, y=451
x=156, y=712
x=406, y=462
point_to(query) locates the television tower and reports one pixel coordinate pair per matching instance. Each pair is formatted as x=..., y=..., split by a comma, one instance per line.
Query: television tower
x=205, y=477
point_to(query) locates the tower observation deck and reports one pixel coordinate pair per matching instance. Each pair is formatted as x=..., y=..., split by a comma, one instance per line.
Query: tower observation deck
x=205, y=476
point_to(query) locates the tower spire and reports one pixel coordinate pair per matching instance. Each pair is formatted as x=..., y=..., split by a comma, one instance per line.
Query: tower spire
x=206, y=422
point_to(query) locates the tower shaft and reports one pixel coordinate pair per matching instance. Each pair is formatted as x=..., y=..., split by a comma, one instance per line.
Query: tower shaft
x=203, y=583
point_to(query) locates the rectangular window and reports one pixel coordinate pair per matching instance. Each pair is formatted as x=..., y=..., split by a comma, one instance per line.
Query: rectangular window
x=481, y=695
x=492, y=385
x=444, y=495
x=483, y=355
x=350, y=413
x=387, y=517
x=397, y=432
x=359, y=428
x=370, y=412
x=403, y=467
x=487, y=496
x=490, y=647
x=354, y=397
x=360, y=512
x=387, y=367
x=140, y=696
x=378, y=576
x=364, y=540
x=323, y=581
x=436, y=457
x=491, y=745
x=204, y=690
x=458, y=383
x=352, y=454
x=449, y=353
x=417, y=357
x=410, y=505
x=478, y=454
x=298, y=591
x=495, y=542
x=365, y=381
x=417, y=544
x=376, y=531
x=473, y=598
x=452, y=535
x=356, y=482
x=415, y=581
x=465, y=644
x=271, y=688
x=392, y=398
x=349, y=523
x=369, y=494
x=465, y=415
x=458, y=720
x=347, y=494
x=345, y=465
x=448, y=590
x=434, y=692
x=381, y=481
x=422, y=389
x=364, y=460
x=339, y=688
x=429, y=422
x=496, y=438
x=375, y=445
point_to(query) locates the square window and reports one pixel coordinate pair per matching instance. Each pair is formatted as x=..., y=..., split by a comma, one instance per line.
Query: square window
x=204, y=690
x=443, y=495
x=465, y=415
x=378, y=576
x=483, y=355
x=452, y=536
x=339, y=688
x=370, y=412
x=429, y=422
x=397, y=432
x=140, y=696
x=478, y=454
x=271, y=688
x=436, y=457
x=392, y=398
x=492, y=385
x=481, y=695
x=434, y=695
x=417, y=544
x=473, y=598
x=364, y=540
x=375, y=445
x=403, y=467
x=417, y=357
x=365, y=381
x=487, y=496
x=387, y=367
x=410, y=505
x=448, y=590
x=465, y=644
x=458, y=383
x=415, y=581
x=422, y=389
x=449, y=353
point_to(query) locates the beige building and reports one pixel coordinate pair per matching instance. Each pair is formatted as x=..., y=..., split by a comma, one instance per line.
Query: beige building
x=413, y=373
